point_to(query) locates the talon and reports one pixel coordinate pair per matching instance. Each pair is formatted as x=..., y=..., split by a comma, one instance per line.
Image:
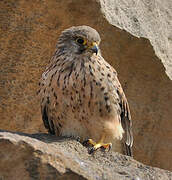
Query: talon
x=107, y=147
x=103, y=148
x=85, y=143
x=78, y=138
x=93, y=146
x=91, y=150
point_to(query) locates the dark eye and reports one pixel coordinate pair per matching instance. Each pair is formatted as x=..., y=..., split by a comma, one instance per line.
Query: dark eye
x=80, y=40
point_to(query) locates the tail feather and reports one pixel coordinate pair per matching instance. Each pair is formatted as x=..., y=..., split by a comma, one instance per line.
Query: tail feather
x=128, y=150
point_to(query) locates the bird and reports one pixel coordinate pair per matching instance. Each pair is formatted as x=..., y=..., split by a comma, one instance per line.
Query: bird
x=81, y=96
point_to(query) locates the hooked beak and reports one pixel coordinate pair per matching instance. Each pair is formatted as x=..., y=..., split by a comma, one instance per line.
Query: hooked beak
x=94, y=48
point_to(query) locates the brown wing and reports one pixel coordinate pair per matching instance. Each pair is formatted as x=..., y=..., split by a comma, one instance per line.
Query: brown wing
x=125, y=119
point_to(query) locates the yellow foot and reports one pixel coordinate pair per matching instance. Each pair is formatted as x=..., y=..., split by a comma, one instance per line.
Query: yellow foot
x=93, y=146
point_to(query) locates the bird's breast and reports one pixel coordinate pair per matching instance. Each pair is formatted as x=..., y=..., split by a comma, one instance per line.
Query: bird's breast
x=84, y=86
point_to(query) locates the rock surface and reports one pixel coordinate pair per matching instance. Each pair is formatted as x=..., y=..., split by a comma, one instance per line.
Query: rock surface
x=28, y=34
x=41, y=156
x=144, y=18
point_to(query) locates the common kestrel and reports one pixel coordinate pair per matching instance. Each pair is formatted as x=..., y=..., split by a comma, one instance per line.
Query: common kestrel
x=81, y=95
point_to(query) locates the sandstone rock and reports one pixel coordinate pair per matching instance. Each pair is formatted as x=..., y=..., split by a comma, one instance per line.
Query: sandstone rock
x=28, y=34
x=41, y=156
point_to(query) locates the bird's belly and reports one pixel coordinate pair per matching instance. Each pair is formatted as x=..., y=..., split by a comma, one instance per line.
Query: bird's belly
x=84, y=109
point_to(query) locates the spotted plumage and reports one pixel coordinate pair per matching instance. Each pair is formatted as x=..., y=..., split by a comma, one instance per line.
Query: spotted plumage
x=81, y=94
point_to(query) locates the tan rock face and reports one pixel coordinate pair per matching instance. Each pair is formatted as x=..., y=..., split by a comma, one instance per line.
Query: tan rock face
x=28, y=34
x=149, y=19
x=41, y=156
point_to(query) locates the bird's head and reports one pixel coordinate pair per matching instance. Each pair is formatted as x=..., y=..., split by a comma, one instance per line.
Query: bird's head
x=79, y=40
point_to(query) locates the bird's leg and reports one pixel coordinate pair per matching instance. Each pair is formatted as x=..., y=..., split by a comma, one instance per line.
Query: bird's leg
x=95, y=146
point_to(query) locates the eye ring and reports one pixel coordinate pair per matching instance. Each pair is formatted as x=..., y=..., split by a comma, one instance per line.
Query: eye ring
x=80, y=41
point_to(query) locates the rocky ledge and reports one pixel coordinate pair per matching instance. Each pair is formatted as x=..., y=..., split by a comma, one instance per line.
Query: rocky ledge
x=42, y=156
